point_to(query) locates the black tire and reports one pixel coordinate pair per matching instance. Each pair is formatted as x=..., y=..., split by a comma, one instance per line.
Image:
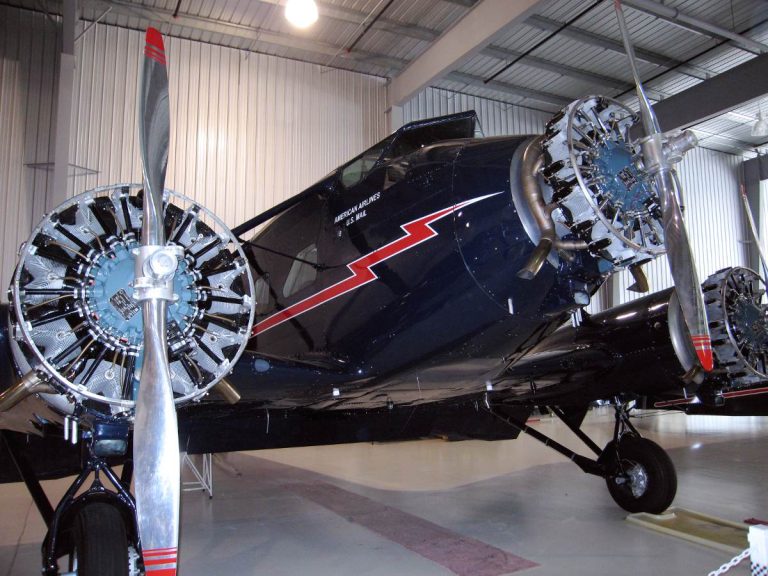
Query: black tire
x=642, y=477
x=100, y=541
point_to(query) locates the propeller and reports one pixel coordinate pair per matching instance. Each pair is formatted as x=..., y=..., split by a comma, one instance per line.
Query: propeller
x=660, y=152
x=155, y=439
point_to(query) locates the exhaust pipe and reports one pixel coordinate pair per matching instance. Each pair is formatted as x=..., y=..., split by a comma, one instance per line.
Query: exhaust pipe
x=532, y=161
x=227, y=391
x=29, y=385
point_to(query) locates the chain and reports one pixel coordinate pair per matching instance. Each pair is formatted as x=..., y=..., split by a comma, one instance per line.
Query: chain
x=133, y=562
x=728, y=565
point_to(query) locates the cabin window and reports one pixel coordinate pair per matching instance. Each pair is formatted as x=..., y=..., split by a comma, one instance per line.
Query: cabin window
x=303, y=271
x=261, y=295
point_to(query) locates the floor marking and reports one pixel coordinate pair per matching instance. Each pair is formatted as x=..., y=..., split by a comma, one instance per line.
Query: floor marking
x=462, y=555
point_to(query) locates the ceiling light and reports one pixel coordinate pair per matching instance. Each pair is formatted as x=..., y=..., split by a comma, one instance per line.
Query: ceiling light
x=760, y=129
x=301, y=13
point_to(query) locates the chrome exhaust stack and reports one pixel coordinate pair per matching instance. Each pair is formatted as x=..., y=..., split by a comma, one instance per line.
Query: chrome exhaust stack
x=541, y=210
x=29, y=385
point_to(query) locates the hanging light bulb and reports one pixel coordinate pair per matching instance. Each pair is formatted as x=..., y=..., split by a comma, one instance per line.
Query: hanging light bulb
x=760, y=129
x=301, y=13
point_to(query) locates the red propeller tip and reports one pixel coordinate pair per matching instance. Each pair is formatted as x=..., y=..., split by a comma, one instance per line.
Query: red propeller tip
x=161, y=561
x=703, y=346
x=155, y=48
x=154, y=38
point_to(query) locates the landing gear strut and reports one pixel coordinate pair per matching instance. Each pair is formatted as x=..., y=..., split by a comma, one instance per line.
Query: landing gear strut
x=639, y=474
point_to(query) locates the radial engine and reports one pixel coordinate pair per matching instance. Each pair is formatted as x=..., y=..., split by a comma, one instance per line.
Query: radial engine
x=583, y=186
x=76, y=328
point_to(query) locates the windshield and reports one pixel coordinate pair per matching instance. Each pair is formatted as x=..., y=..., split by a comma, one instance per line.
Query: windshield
x=408, y=139
x=422, y=133
x=358, y=168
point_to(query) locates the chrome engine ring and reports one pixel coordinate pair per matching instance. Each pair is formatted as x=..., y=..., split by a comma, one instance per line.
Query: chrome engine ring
x=604, y=195
x=73, y=312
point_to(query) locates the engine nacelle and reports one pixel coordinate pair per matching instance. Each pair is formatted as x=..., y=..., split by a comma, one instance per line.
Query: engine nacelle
x=76, y=324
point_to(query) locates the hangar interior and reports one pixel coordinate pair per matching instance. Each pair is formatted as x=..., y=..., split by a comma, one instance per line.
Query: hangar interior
x=261, y=110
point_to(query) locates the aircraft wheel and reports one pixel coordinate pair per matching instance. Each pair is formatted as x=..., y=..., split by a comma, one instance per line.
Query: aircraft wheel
x=642, y=477
x=101, y=544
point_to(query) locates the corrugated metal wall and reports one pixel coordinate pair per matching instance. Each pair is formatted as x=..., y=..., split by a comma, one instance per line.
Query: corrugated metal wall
x=714, y=218
x=247, y=130
x=28, y=48
x=762, y=219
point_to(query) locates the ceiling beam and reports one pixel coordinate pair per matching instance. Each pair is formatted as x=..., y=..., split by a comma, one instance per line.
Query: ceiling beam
x=557, y=68
x=507, y=88
x=586, y=37
x=715, y=96
x=692, y=24
x=479, y=27
x=465, y=3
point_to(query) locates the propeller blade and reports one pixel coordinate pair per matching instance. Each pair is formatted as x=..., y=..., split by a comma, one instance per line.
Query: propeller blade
x=658, y=157
x=154, y=135
x=155, y=441
x=683, y=269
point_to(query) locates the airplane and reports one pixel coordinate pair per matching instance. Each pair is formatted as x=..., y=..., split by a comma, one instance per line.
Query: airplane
x=417, y=290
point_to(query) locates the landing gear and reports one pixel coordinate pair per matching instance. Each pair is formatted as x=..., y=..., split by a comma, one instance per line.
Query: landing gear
x=94, y=530
x=638, y=472
x=100, y=542
x=641, y=476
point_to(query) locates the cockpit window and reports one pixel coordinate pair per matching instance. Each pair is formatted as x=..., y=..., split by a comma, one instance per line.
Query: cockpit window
x=359, y=168
x=408, y=139
x=419, y=134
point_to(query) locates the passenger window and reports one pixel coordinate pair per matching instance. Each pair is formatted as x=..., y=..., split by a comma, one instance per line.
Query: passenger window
x=261, y=295
x=302, y=272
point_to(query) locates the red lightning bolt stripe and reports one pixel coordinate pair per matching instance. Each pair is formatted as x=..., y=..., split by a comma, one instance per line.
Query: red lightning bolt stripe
x=416, y=232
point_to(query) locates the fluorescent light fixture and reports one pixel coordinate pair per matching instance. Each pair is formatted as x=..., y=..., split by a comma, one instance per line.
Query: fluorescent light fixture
x=301, y=13
x=760, y=129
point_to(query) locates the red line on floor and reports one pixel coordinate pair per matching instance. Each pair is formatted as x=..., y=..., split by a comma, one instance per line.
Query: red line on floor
x=755, y=522
x=461, y=555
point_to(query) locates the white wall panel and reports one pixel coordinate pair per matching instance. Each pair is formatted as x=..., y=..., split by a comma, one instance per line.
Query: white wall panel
x=28, y=47
x=762, y=222
x=247, y=130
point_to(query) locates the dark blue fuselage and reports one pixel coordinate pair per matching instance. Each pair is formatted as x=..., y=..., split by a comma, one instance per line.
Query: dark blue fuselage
x=431, y=306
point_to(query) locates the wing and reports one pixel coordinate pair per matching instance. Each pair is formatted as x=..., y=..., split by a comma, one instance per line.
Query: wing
x=642, y=348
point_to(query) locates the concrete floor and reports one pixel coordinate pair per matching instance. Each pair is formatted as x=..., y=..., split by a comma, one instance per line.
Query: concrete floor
x=438, y=508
